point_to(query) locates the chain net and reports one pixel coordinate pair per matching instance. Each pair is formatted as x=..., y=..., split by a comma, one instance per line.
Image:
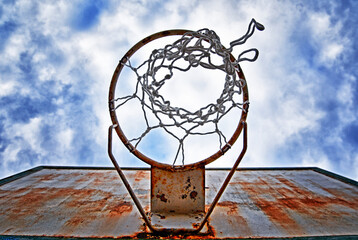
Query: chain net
x=191, y=50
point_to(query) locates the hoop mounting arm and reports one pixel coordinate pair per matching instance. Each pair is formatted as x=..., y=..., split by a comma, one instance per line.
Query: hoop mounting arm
x=212, y=206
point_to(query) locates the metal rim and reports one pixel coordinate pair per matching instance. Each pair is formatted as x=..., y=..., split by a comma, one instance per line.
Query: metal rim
x=124, y=139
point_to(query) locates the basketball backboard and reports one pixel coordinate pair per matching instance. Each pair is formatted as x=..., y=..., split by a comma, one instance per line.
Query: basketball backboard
x=75, y=202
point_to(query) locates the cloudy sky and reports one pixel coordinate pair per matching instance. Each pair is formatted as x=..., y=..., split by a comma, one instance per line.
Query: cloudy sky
x=58, y=57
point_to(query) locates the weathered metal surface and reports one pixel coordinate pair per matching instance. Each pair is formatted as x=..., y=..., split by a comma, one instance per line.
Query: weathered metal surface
x=177, y=192
x=257, y=203
x=177, y=198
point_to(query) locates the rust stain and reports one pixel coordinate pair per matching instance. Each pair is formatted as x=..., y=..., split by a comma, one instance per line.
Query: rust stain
x=231, y=205
x=141, y=175
x=341, y=198
x=97, y=182
x=121, y=208
x=14, y=193
x=193, y=194
x=146, y=209
x=28, y=203
x=211, y=233
x=188, y=184
x=81, y=199
x=48, y=177
x=242, y=224
x=80, y=178
x=234, y=218
x=160, y=215
x=162, y=197
x=75, y=221
x=305, y=201
x=296, y=189
x=274, y=209
x=195, y=225
x=296, y=199
x=181, y=234
x=207, y=206
x=100, y=177
x=277, y=214
x=9, y=230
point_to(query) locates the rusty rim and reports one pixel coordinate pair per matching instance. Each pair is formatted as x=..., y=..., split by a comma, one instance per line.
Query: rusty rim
x=124, y=139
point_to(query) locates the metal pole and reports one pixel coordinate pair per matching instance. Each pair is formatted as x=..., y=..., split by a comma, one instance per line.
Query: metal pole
x=227, y=180
x=124, y=180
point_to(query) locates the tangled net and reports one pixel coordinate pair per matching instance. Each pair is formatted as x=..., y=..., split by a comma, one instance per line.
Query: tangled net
x=192, y=50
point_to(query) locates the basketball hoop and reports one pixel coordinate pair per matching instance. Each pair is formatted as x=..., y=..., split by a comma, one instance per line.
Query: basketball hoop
x=183, y=191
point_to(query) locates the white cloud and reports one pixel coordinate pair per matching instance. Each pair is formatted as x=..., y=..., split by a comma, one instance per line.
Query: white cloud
x=316, y=159
x=332, y=51
x=65, y=138
x=24, y=136
x=7, y=88
x=327, y=37
x=354, y=166
x=283, y=85
x=345, y=96
x=29, y=133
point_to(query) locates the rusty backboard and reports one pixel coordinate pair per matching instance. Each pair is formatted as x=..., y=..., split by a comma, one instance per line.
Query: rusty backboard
x=178, y=192
x=92, y=202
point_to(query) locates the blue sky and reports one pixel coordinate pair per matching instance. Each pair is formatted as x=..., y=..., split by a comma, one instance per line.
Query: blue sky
x=57, y=59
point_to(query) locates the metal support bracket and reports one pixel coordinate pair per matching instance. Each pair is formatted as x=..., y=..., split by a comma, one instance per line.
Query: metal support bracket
x=168, y=199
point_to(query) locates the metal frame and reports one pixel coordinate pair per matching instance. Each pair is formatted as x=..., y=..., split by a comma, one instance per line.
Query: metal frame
x=124, y=139
x=242, y=126
x=212, y=206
